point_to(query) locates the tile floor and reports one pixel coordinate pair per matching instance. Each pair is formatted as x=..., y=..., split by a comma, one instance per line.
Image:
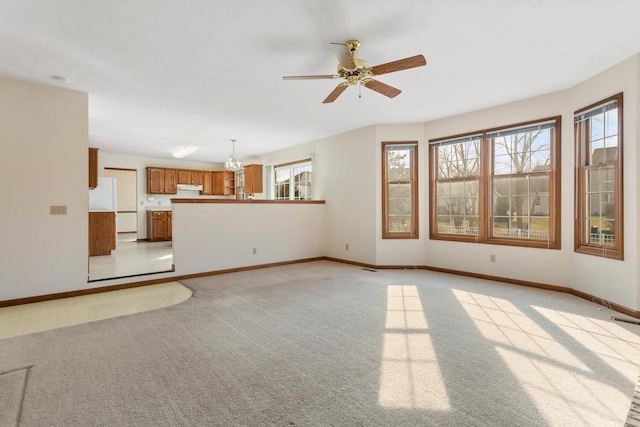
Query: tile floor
x=132, y=258
x=45, y=315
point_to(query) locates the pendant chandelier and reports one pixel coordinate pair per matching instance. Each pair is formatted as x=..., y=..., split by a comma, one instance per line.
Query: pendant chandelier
x=232, y=163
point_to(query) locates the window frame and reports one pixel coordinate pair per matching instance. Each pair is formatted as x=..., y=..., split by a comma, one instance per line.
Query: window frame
x=582, y=165
x=487, y=155
x=413, y=180
x=291, y=166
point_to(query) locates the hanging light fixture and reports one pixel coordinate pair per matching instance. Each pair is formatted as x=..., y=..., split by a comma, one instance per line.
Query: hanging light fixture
x=232, y=163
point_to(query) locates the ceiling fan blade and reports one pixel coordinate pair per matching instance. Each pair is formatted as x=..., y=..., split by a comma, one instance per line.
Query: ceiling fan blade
x=344, y=55
x=335, y=93
x=401, y=64
x=318, y=77
x=381, y=88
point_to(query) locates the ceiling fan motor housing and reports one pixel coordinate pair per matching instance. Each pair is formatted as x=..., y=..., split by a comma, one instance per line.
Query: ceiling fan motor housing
x=353, y=76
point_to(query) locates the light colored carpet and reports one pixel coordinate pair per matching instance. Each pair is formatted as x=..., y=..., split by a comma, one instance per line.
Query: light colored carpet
x=12, y=389
x=327, y=344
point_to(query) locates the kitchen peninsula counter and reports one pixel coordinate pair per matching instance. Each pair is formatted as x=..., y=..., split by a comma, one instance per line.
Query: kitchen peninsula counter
x=247, y=201
x=221, y=234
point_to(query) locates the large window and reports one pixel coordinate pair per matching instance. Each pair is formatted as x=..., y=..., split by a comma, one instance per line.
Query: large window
x=498, y=186
x=400, y=190
x=598, y=145
x=292, y=181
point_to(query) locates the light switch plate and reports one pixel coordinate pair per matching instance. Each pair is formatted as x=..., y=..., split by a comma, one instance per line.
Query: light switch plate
x=57, y=210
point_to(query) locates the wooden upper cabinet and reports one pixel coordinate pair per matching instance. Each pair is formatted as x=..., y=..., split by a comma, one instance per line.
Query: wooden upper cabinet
x=170, y=181
x=207, y=183
x=197, y=177
x=155, y=181
x=190, y=177
x=184, y=176
x=93, y=167
x=161, y=181
x=253, y=179
x=223, y=183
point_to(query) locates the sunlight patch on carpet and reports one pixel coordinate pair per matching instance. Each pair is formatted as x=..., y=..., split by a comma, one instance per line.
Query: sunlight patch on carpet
x=499, y=321
x=409, y=376
x=612, y=343
x=555, y=378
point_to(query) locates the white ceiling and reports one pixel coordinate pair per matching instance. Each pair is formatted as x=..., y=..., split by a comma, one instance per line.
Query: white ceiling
x=164, y=73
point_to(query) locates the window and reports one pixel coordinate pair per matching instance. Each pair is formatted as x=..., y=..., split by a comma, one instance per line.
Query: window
x=292, y=181
x=498, y=186
x=598, y=145
x=400, y=190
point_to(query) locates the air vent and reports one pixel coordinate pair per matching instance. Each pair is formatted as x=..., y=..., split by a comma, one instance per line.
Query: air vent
x=620, y=319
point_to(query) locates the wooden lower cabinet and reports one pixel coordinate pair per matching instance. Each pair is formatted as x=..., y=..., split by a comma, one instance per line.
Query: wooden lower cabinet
x=102, y=233
x=159, y=225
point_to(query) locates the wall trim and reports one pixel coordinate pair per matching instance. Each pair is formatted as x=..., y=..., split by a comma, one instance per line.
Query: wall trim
x=108, y=288
x=564, y=289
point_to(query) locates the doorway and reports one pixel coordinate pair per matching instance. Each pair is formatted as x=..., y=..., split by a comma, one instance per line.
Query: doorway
x=133, y=256
x=127, y=197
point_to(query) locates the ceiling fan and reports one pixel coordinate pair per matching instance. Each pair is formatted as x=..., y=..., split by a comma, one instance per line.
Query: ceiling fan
x=354, y=71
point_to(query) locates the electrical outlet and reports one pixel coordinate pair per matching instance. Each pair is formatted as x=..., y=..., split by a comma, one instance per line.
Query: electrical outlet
x=346, y=247
x=255, y=251
x=492, y=257
x=57, y=210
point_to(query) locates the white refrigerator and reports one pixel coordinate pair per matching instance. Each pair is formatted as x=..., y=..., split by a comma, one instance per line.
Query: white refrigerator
x=105, y=196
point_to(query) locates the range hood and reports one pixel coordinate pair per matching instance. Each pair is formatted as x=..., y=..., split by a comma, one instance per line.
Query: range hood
x=190, y=187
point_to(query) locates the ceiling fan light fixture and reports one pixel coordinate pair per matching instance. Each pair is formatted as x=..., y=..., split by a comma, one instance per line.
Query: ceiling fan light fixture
x=232, y=163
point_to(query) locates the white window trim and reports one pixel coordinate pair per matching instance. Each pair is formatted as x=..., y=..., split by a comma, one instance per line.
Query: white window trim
x=291, y=166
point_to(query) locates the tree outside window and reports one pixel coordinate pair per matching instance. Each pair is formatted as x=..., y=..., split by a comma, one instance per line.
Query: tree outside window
x=400, y=204
x=598, y=145
x=498, y=186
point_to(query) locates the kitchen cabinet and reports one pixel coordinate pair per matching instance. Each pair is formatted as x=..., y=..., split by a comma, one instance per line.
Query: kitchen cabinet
x=184, y=176
x=102, y=233
x=93, y=168
x=223, y=183
x=207, y=183
x=190, y=177
x=161, y=181
x=159, y=225
x=252, y=179
x=196, y=177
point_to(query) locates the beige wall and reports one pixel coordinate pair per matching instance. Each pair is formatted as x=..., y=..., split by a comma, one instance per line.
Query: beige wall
x=345, y=174
x=613, y=280
x=44, y=161
x=45, y=132
x=511, y=262
x=211, y=237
